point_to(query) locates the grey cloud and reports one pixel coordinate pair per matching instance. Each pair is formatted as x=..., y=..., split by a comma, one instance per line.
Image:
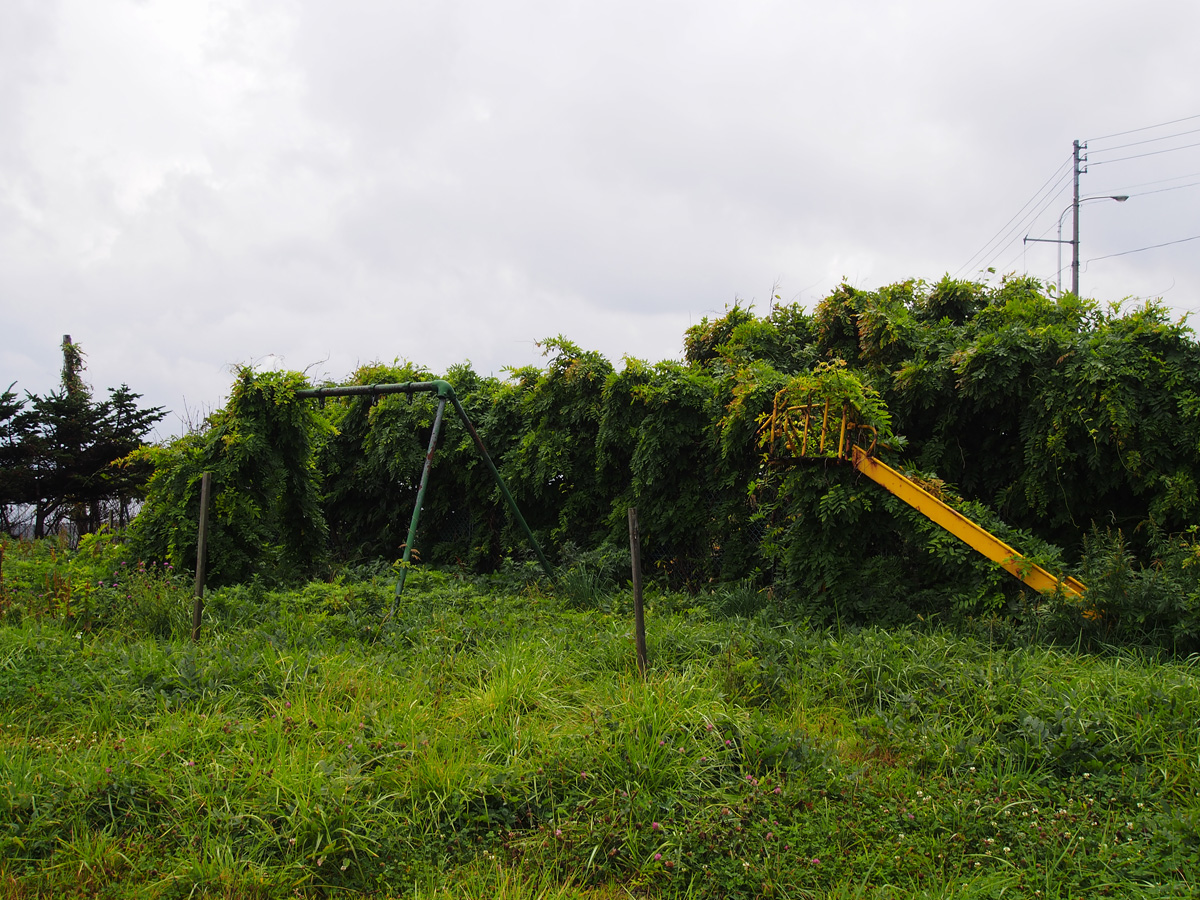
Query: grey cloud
x=444, y=181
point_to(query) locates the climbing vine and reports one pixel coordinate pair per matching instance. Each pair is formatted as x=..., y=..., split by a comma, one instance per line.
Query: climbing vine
x=266, y=519
x=1045, y=416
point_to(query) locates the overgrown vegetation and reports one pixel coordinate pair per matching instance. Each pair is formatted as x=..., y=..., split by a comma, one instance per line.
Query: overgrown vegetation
x=266, y=519
x=844, y=700
x=1070, y=431
x=494, y=740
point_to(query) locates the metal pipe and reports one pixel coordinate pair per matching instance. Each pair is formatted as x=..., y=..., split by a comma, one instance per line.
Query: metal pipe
x=842, y=436
x=201, y=555
x=508, y=497
x=775, y=417
x=406, y=557
x=807, y=414
x=1075, y=219
x=372, y=390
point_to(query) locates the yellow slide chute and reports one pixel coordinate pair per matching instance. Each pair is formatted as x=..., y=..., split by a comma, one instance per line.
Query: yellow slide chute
x=820, y=429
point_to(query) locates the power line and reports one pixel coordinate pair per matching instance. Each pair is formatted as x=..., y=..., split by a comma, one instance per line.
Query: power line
x=1157, y=181
x=1165, y=137
x=1164, y=190
x=1042, y=237
x=1054, y=186
x=1151, y=247
x=1016, y=231
x=1023, y=225
x=982, y=251
x=998, y=235
x=1007, y=265
x=1147, y=128
x=1104, y=162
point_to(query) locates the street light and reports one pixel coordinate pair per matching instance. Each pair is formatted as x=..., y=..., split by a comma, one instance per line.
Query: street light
x=1074, y=242
x=1120, y=198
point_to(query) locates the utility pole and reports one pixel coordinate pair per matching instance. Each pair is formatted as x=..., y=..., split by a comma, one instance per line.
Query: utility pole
x=1075, y=217
x=1080, y=161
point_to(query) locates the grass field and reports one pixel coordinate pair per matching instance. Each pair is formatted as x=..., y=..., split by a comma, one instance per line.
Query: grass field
x=496, y=741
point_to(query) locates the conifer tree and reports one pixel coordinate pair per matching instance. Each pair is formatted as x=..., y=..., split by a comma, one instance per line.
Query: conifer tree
x=61, y=454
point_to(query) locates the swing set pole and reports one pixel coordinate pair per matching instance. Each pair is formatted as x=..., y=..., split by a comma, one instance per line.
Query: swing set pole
x=508, y=497
x=406, y=557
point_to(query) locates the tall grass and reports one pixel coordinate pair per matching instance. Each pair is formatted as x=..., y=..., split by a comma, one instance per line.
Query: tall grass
x=503, y=745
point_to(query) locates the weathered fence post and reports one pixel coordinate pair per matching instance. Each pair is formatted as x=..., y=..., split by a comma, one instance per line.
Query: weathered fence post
x=639, y=615
x=201, y=555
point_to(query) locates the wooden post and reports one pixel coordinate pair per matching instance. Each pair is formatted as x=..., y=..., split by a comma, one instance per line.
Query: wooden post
x=639, y=615
x=201, y=555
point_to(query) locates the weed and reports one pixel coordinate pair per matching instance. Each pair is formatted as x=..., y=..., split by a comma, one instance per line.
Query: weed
x=502, y=744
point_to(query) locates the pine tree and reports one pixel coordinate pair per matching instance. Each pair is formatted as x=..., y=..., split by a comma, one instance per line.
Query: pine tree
x=63, y=455
x=14, y=472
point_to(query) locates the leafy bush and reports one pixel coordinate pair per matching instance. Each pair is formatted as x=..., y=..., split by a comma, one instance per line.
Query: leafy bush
x=1040, y=416
x=1128, y=604
x=265, y=516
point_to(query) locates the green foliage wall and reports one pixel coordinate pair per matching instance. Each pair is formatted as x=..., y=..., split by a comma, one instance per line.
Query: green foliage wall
x=1054, y=412
x=1042, y=416
x=656, y=451
x=371, y=466
x=552, y=466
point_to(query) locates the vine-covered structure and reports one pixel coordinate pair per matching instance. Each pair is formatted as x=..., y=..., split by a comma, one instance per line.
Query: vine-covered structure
x=1070, y=430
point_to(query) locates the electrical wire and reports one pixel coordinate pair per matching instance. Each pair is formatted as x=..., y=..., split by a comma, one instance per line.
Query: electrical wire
x=999, y=242
x=1008, y=265
x=1016, y=231
x=1105, y=137
x=1105, y=162
x=982, y=251
x=1023, y=225
x=1128, y=187
x=998, y=235
x=1151, y=247
x=1164, y=190
x=1042, y=237
x=1165, y=137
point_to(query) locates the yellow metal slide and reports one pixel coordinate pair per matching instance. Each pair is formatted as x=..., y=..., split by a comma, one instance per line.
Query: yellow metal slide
x=961, y=527
x=810, y=429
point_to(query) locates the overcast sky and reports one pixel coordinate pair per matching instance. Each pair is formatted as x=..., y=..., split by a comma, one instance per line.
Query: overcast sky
x=186, y=185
